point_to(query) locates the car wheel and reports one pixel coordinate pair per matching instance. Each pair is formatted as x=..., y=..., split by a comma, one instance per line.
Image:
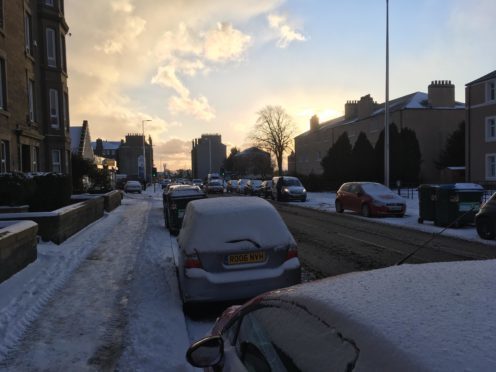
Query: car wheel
x=365, y=210
x=485, y=228
x=420, y=220
x=339, y=207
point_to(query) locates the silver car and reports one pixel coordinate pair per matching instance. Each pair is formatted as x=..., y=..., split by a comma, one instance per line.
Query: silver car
x=133, y=186
x=234, y=248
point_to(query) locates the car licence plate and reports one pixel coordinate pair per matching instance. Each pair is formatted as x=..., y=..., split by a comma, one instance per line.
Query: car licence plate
x=245, y=258
x=395, y=208
x=466, y=207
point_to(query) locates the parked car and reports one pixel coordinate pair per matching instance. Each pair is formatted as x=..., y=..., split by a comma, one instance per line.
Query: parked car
x=266, y=188
x=253, y=187
x=234, y=248
x=133, y=186
x=369, y=199
x=197, y=182
x=215, y=187
x=424, y=317
x=240, y=189
x=485, y=219
x=288, y=188
x=231, y=186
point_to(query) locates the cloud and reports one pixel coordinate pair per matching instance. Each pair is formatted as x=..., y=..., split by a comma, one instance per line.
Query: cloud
x=224, y=43
x=286, y=33
x=199, y=108
x=122, y=6
x=123, y=35
x=166, y=76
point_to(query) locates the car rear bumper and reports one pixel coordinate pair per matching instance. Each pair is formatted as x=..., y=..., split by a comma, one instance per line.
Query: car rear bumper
x=198, y=285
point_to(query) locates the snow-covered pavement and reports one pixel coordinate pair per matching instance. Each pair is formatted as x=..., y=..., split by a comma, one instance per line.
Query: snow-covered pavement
x=122, y=297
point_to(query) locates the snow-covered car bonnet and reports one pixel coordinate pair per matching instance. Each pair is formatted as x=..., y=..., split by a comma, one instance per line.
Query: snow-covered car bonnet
x=213, y=224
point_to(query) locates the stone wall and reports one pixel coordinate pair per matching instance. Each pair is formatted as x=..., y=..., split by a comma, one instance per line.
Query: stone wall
x=17, y=246
x=62, y=223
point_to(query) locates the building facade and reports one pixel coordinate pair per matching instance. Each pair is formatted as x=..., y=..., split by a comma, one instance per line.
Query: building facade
x=433, y=116
x=81, y=141
x=253, y=163
x=207, y=155
x=34, y=109
x=480, y=130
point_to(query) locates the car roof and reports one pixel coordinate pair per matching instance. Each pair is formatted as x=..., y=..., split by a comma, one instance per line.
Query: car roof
x=211, y=224
x=437, y=316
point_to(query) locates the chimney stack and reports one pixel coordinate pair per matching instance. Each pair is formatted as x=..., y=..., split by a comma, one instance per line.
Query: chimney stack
x=441, y=93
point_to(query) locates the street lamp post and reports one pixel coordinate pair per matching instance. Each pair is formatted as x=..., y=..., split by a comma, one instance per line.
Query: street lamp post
x=144, y=153
x=386, y=105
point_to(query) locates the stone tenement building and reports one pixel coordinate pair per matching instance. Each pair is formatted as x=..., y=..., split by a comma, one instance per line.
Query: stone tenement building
x=34, y=110
x=433, y=116
x=207, y=155
x=480, y=133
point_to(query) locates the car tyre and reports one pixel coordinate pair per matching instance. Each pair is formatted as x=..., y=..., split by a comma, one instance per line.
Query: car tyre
x=365, y=210
x=420, y=220
x=485, y=229
x=339, y=207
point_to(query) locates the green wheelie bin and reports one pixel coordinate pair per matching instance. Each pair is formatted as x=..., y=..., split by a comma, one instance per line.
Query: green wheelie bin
x=175, y=204
x=457, y=204
x=427, y=195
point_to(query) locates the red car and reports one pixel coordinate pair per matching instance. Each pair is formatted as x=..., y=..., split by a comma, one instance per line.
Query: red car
x=369, y=199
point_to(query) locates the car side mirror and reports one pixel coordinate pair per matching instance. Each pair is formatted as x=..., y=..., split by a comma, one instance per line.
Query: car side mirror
x=207, y=352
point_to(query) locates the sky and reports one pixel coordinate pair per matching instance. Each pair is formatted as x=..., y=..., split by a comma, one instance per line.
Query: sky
x=197, y=67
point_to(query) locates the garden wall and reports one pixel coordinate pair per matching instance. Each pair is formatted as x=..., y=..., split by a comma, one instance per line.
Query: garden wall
x=58, y=225
x=17, y=246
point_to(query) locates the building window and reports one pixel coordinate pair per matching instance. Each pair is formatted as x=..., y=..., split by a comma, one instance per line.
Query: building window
x=28, y=36
x=491, y=166
x=62, y=53
x=491, y=90
x=67, y=161
x=3, y=86
x=4, y=151
x=35, y=156
x=49, y=2
x=50, y=46
x=491, y=129
x=56, y=165
x=64, y=110
x=31, y=105
x=54, y=108
x=1, y=14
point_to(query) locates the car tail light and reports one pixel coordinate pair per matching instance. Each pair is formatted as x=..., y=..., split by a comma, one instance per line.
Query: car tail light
x=192, y=262
x=292, y=252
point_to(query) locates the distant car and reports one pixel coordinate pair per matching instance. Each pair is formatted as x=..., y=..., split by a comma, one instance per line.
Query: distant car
x=232, y=186
x=288, y=188
x=165, y=182
x=485, y=219
x=240, y=188
x=256, y=253
x=215, y=187
x=253, y=187
x=266, y=188
x=197, y=182
x=133, y=186
x=369, y=199
x=423, y=317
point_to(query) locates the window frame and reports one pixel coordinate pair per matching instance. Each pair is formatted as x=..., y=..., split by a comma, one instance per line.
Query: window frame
x=54, y=111
x=3, y=85
x=4, y=146
x=28, y=33
x=35, y=155
x=490, y=129
x=51, y=47
x=31, y=100
x=491, y=90
x=2, y=18
x=490, y=166
x=56, y=165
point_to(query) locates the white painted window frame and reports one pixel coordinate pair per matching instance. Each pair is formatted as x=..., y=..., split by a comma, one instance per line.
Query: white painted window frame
x=490, y=129
x=51, y=47
x=56, y=161
x=53, y=95
x=490, y=167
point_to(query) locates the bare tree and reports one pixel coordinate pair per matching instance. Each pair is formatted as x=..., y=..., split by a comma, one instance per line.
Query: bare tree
x=273, y=132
